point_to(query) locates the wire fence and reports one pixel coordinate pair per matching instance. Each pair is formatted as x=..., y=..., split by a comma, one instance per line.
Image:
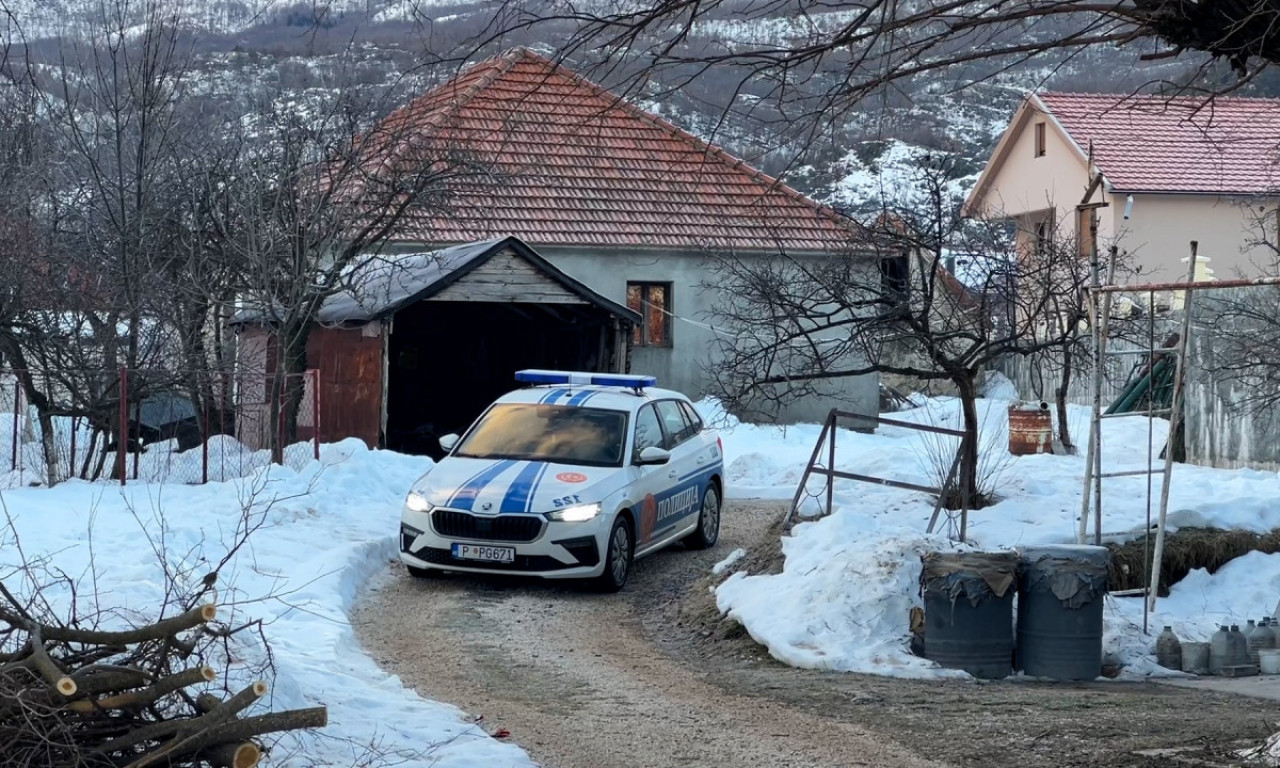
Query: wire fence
x=189, y=427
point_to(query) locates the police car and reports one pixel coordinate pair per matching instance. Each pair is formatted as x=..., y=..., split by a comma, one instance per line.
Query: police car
x=573, y=477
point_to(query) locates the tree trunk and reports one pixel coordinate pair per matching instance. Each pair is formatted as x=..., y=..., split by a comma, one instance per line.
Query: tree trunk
x=49, y=447
x=967, y=384
x=288, y=387
x=295, y=360
x=1060, y=400
x=37, y=400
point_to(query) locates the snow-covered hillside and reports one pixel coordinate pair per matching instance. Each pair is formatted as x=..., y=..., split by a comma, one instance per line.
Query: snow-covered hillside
x=244, y=46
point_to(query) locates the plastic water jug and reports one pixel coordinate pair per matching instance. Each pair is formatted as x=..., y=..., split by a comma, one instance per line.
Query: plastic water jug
x=1168, y=650
x=1239, y=647
x=1219, y=651
x=1263, y=637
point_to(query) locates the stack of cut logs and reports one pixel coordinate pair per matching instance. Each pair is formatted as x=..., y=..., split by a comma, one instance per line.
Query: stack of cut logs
x=87, y=698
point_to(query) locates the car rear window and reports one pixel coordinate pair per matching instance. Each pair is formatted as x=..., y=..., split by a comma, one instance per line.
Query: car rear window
x=559, y=433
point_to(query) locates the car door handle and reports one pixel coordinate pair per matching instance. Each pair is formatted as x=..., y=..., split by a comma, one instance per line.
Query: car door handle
x=702, y=459
x=673, y=473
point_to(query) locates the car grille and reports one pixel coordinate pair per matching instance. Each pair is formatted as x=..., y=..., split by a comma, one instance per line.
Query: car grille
x=462, y=525
x=522, y=562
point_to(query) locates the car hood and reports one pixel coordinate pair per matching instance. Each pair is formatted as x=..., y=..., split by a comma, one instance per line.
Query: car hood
x=496, y=486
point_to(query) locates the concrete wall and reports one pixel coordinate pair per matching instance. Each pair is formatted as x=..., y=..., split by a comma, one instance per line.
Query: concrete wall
x=1158, y=234
x=683, y=366
x=1225, y=425
x=1221, y=430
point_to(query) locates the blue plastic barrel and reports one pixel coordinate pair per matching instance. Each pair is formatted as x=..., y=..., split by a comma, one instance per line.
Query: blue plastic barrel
x=968, y=610
x=1060, y=598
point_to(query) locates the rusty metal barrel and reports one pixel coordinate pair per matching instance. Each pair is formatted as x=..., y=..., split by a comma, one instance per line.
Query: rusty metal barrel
x=968, y=610
x=1060, y=595
x=1030, y=429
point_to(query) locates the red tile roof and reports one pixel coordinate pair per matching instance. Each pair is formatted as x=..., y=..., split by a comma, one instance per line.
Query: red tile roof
x=569, y=163
x=1181, y=145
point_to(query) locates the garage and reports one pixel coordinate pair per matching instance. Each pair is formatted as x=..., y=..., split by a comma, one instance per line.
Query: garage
x=451, y=327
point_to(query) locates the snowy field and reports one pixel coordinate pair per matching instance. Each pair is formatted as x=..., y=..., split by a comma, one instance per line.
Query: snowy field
x=849, y=579
x=324, y=528
x=323, y=531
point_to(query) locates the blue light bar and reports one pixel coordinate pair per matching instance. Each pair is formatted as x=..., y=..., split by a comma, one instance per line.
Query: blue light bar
x=541, y=376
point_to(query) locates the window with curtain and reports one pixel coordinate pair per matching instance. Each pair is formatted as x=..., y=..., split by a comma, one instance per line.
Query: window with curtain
x=653, y=302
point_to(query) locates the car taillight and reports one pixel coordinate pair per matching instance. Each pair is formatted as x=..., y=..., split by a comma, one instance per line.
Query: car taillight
x=720, y=444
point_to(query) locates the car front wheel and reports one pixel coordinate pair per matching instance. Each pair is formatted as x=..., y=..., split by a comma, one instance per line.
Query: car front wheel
x=617, y=562
x=708, y=530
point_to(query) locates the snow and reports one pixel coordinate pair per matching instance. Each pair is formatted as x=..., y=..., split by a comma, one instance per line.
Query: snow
x=729, y=561
x=996, y=386
x=220, y=458
x=850, y=578
x=322, y=532
x=890, y=177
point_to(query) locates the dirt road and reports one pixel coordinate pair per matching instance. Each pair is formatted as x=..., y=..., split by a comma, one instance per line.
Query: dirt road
x=652, y=678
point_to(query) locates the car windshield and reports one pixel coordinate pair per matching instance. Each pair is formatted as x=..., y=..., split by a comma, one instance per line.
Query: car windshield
x=559, y=433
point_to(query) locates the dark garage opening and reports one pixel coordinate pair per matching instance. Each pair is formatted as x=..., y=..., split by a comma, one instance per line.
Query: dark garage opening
x=448, y=360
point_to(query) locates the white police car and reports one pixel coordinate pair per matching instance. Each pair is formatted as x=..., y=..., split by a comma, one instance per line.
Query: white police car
x=572, y=477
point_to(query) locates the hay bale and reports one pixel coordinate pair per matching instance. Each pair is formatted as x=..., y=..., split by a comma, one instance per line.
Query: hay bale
x=1184, y=551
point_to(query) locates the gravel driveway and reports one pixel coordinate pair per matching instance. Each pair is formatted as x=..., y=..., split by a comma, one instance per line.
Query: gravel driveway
x=651, y=678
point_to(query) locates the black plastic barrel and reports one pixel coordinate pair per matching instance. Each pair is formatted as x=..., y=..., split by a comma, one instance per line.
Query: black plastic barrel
x=968, y=610
x=1060, y=597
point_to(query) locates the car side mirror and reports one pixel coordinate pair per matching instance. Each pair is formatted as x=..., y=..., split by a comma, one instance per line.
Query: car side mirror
x=448, y=441
x=653, y=455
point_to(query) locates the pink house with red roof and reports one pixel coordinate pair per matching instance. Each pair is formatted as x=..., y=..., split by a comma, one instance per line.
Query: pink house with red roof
x=1172, y=170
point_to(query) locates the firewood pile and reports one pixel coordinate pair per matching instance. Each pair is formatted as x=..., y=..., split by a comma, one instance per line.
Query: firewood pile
x=84, y=697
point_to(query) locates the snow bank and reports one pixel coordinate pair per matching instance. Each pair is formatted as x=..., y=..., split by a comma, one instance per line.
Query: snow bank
x=325, y=528
x=225, y=458
x=849, y=579
x=841, y=602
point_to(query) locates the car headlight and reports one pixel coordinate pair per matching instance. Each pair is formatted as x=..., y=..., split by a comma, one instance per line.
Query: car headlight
x=575, y=514
x=418, y=503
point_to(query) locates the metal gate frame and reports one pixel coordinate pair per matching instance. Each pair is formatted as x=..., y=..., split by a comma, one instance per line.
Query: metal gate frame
x=827, y=437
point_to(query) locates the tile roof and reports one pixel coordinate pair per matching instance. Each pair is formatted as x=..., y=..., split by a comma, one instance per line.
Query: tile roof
x=1179, y=145
x=569, y=163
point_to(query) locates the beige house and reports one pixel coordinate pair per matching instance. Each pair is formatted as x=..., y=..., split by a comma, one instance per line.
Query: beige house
x=1169, y=171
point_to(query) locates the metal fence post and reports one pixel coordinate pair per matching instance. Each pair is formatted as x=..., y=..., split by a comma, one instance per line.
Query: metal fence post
x=282, y=391
x=137, y=416
x=17, y=405
x=204, y=445
x=315, y=412
x=123, y=428
x=71, y=461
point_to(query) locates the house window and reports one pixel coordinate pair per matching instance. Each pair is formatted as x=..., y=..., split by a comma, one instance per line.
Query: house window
x=894, y=274
x=653, y=302
x=1040, y=147
x=1042, y=238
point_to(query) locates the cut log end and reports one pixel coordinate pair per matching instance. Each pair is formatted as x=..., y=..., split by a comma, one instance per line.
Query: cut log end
x=209, y=612
x=66, y=686
x=260, y=688
x=208, y=673
x=246, y=755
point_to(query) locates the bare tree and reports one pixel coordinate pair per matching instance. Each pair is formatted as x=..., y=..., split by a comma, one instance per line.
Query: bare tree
x=834, y=55
x=313, y=195
x=891, y=306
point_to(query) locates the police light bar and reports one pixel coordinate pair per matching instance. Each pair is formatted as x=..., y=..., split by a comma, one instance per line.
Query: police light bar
x=578, y=378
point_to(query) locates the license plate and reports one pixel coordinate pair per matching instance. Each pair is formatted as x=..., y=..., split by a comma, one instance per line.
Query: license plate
x=485, y=554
